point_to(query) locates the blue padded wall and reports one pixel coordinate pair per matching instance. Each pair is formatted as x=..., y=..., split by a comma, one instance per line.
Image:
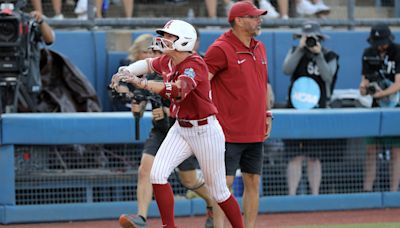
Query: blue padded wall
x=390, y=123
x=113, y=60
x=88, y=51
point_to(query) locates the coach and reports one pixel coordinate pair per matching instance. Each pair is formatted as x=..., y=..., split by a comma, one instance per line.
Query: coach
x=238, y=71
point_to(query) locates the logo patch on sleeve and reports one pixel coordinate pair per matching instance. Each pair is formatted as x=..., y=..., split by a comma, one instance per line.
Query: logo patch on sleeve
x=189, y=72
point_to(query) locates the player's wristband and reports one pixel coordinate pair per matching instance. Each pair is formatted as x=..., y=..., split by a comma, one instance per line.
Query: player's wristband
x=269, y=114
x=170, y=90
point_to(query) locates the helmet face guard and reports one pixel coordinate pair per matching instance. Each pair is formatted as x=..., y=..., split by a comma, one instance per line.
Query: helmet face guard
x=163, y=45
x=154, y=46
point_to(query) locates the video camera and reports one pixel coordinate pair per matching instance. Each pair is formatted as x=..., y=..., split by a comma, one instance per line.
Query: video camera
x=376, y=76
x=130, y=93
x=15, y=29
x=138, y=95
x=14, y=41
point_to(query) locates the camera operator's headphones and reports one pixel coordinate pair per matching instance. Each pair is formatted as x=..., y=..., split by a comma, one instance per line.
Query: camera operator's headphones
x=380, y=35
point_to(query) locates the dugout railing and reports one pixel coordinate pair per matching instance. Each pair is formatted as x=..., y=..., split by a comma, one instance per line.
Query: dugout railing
x=79, y=166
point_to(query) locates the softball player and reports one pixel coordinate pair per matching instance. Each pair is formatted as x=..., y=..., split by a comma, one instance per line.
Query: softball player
x=196, y=131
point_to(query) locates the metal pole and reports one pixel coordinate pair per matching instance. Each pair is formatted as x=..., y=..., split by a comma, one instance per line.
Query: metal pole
x=91, y=12
x=350, y=13
x=397, y=8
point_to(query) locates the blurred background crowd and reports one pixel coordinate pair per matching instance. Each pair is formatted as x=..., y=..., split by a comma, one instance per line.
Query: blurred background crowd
x=284, y=9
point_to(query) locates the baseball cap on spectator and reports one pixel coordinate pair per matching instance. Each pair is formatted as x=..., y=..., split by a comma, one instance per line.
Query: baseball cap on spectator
x=244, y=8
x=380, y=35
x=311, y=28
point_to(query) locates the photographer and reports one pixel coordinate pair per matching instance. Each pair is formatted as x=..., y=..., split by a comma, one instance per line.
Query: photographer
x=381, y=62
x=381, y=80
x=139, y=50
x=23, y=36
x=46, y=32
x=313, y=71
x=309, y=59
x=41, y=34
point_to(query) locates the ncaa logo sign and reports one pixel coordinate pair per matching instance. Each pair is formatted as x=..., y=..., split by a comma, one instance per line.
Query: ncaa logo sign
x=305, y=93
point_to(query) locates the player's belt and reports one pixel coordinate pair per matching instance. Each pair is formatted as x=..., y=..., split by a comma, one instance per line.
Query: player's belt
x=193, y=123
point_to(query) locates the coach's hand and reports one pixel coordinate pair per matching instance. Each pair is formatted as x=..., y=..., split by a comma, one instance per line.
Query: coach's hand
x=268, y=125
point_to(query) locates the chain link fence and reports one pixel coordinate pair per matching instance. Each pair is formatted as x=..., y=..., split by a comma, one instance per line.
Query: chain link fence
x=48, y=174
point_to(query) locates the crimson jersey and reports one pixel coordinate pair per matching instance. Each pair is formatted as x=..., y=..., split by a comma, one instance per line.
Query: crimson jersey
x=197, y=103
x=239, y=87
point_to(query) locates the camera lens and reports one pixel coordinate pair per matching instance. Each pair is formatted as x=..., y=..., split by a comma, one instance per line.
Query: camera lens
x=311, y=41
x=8, y=30
x=371, y=90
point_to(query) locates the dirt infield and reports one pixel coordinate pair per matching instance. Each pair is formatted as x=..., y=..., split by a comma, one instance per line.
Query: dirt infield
x=264, y=220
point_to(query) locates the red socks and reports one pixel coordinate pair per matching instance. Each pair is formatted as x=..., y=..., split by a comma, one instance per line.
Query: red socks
x=231, y=209
x=165, y=201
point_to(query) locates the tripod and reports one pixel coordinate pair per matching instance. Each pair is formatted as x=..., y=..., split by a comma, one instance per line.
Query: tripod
x=13, y=94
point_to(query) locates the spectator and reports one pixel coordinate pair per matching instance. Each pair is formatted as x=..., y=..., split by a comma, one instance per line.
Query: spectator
x=283, y=8
x=176, y=1
x=308, y=64
x=212, y=6
x=81, y=9
x=381, y=80
x=272, y=13
x=312, y=8
x=161, y=124
x=82, y=6
x=238, y=73
x=57, y=5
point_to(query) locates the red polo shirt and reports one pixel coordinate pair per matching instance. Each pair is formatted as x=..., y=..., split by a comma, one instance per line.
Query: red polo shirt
x=197, y=104
x=239, y=87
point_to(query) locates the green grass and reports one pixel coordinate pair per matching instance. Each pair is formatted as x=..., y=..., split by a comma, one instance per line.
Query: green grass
x=358, y=225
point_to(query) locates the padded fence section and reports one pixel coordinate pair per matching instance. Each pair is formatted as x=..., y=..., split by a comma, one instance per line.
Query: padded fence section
x=91, y=160
x=289, y=168
x=63, y=174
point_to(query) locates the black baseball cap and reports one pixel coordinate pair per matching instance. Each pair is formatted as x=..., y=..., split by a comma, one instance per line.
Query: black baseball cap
x=380, y=35
x=311, y=28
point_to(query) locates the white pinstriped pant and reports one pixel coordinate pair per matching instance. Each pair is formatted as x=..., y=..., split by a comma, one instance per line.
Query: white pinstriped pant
x=207, y=143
